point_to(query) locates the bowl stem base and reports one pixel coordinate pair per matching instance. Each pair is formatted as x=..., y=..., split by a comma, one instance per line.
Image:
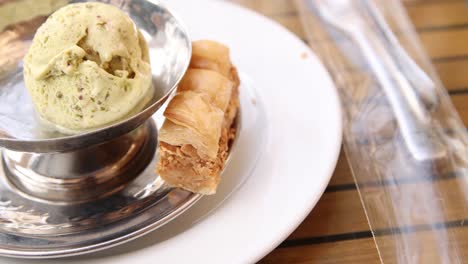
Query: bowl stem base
x=85, y=174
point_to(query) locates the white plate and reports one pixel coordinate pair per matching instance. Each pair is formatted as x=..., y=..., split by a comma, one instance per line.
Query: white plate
x=291, y=122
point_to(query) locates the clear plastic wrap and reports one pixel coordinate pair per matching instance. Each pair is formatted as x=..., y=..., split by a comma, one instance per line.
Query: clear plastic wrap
x=405, y=143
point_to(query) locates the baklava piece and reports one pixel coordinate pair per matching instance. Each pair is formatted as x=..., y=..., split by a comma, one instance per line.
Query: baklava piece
x=194, y=139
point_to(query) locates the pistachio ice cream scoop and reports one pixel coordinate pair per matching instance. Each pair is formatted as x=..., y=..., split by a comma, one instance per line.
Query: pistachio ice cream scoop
x=87, y=67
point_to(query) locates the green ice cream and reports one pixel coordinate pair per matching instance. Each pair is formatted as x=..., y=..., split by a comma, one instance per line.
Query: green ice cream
x=87, y=67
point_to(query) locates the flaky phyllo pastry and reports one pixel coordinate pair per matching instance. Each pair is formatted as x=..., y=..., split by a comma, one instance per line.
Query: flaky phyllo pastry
x=194, y=139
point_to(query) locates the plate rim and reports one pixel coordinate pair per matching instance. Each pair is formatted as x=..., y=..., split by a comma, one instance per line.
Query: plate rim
x=339, y=132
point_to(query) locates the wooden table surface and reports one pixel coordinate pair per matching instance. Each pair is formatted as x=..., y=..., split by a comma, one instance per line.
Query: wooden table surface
x=336, y=231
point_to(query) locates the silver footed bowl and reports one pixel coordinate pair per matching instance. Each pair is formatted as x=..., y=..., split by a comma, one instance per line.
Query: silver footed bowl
x=21, y=129
x=66, y=195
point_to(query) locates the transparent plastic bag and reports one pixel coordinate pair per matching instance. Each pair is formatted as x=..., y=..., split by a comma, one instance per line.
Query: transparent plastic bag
x=405, y=143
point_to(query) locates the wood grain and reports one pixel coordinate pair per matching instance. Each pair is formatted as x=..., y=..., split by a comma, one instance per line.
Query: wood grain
x=453, y=73
x=362, y=250
x=356, y=251
x=328, y=215
x=449, y=63
x=341, y=212
x=436, y=15
x=461, y=104
x=342, y=174
x=436, y=43
x=269, y=7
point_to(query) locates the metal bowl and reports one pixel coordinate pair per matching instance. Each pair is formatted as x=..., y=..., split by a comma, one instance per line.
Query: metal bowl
x=73, y=216
x=21, y=130
x=65, y=195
